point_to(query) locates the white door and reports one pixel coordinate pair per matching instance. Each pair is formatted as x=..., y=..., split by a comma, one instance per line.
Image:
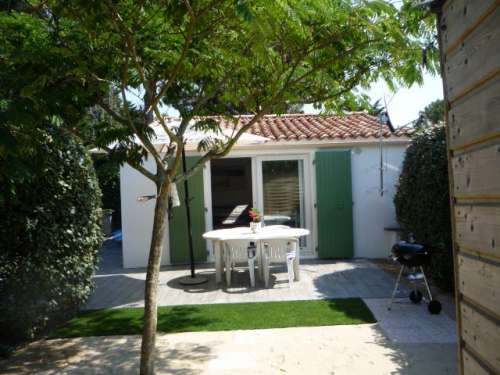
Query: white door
x=283, y=196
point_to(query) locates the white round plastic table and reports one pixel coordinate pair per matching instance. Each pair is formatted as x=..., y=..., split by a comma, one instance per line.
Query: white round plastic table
x=245, y=233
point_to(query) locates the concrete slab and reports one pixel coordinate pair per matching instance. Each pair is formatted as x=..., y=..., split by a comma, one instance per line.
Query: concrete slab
x=410, y=323
x=361, y=349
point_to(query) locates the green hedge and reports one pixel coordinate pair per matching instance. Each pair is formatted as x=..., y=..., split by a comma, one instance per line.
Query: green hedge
x=108, y=175
x=50, y=231
x=422, y=200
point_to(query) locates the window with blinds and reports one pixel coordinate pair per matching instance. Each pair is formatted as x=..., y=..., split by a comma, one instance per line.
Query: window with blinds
x=283, y=192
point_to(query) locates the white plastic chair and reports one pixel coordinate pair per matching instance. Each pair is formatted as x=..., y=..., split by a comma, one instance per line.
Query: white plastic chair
x=279, y=251
x=236, y=251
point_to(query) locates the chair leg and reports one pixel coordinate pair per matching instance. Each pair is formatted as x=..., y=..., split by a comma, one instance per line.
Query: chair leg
x=265, y=266
x=289, y=268
x=426, y=283
x=260, y=259
x=251, y=271
x=228, y=271
x=296, y=261
x=396, y=287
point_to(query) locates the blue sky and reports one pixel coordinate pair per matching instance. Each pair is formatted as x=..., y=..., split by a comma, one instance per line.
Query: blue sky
x=404, y=104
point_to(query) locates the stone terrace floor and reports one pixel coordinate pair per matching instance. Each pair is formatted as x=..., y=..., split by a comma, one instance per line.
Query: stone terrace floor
x=372, y=281
x=118, y=287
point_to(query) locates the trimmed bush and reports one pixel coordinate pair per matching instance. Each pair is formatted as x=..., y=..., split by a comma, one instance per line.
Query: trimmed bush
x=50, y=233
x=422, y=200
x=108, y=175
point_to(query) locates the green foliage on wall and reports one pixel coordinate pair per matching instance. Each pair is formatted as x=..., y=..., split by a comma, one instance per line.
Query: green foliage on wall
x=422, y=200
x=50, y=231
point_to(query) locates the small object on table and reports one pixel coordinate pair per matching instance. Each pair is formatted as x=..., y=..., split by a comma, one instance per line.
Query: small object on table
x=255, y=227
x=256, y=223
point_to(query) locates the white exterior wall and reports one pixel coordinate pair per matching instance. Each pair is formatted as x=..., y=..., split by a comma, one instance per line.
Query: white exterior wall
x=371, y=212
x=137, y=217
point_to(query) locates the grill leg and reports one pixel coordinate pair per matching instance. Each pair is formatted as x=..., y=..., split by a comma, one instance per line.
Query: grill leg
x=396, y=287
x=413, y=280
x=426, y=283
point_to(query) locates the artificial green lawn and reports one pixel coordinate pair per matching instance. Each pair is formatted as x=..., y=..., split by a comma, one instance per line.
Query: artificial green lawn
x=220, y=317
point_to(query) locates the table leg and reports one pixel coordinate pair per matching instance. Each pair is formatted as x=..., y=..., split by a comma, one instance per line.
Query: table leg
x=218, y=261
x=296, y=262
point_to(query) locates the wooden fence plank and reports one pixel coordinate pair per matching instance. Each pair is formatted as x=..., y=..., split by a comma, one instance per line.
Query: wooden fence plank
x=478, y=229
x=480, y=282
x=470, y=66
x=460, y=15
x=477, y=173
x=475, y=58
x=476, y=115
x=471, y=366
x=482, y=335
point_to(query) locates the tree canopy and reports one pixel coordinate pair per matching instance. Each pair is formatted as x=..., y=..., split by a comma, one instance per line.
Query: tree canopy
x=199, y=57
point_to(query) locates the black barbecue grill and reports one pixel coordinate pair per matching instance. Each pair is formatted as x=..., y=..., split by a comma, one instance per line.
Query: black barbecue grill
x=412, y=258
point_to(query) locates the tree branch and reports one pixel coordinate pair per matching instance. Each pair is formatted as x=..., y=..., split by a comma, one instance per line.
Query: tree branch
x=213, y=154
x=112, y=112
x=180, y=146
x=136, y=166
x=177, y=66
x=146, y=143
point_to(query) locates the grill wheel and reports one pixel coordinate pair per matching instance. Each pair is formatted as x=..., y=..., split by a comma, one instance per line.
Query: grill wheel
x=434, y=307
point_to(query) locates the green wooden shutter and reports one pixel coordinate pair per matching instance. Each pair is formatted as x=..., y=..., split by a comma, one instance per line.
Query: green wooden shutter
x=334, y=203
x=179, y=246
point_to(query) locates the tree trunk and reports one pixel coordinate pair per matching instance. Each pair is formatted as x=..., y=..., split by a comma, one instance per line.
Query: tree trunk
x=151, y=287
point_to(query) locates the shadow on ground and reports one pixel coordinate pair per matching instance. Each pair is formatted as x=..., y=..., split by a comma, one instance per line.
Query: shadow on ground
x=240, y=282
x=115, y=322
x=116, y=290
x=417, y=358
x=354, y=278
x=99, y=355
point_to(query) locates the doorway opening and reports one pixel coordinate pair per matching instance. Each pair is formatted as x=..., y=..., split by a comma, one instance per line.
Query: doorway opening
x=232, y=194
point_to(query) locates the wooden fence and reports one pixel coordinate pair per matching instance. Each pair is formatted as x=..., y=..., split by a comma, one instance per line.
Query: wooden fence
x=469, y=33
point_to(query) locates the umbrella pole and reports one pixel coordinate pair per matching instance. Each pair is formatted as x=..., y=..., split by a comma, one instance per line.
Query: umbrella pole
x=188, y=215
x=193, y=279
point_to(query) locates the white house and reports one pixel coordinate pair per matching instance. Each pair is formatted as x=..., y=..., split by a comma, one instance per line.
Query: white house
x=312, y=171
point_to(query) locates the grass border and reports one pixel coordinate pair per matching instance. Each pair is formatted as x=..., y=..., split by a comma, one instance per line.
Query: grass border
x=220, y=317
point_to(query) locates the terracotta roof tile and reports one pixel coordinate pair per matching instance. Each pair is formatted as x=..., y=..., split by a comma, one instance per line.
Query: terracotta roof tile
x=293, y=127
x=315, y=127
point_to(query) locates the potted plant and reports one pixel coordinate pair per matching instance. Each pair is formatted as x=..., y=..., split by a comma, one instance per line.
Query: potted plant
x=256, y=222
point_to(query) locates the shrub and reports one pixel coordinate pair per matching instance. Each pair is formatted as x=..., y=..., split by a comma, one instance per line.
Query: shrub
x=50, y=231
x=108, y=175
x=422, y=200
